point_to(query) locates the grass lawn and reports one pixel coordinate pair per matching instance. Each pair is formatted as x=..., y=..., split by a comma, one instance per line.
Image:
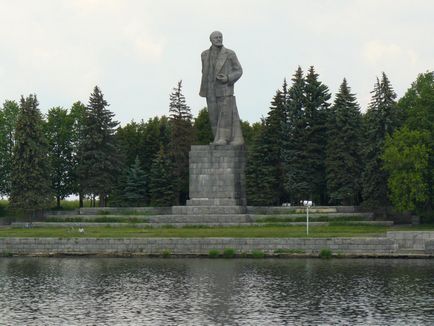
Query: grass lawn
x=204, y=232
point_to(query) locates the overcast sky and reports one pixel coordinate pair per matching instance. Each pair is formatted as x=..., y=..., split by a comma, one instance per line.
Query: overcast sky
x=136, y=51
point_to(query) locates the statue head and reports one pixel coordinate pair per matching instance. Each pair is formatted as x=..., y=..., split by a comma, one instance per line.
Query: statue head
x=216, y=39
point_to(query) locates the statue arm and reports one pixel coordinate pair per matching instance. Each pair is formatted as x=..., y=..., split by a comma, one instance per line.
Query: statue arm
x=236, y=69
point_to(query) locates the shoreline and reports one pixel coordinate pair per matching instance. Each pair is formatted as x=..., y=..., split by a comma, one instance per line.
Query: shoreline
x=396, y=244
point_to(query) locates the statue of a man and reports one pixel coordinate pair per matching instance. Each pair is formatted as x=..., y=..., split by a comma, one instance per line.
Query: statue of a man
x=220, y=71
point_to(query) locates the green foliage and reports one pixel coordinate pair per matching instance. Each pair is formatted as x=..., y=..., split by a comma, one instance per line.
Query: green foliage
x=305, y=137
x=30, y=177
x=229, y=253
x=59, y=133
x=213, y=253
x=406, y=159
x=99, y=159
x=317, y=96
x=136, y=186
x=380, y=120
x=409, y=152
x=258, y=254
x=166, y=253
x=180, y=142
x=293, y=143
x=250, y=132
x=8, y=120
x=343, y=161
x=161, y=181
x=78, y=115
x=202, y=128
x=325, y=253
x=261, y=176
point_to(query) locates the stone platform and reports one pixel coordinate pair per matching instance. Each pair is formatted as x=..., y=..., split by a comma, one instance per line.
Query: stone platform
x=217, y=181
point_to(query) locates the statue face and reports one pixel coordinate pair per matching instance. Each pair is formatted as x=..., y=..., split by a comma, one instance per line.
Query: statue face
x=216, y=39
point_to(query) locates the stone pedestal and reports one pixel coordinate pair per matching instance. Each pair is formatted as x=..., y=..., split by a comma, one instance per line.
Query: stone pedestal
x=217, y=180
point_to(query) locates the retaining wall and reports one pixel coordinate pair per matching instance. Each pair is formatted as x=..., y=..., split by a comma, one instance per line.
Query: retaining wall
x=193, y=246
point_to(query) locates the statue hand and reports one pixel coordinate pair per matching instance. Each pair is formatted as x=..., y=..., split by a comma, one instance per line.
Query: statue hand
x=222, y=78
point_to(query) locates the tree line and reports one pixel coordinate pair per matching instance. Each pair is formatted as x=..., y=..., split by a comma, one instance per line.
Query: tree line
x=307, y=147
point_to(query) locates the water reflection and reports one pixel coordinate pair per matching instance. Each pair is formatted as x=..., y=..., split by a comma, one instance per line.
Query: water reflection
x=87, y=291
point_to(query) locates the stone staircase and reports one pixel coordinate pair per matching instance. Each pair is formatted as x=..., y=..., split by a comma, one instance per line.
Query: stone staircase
x=205, y=216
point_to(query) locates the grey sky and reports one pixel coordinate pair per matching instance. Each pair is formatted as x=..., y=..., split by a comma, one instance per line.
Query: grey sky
x=136, y=51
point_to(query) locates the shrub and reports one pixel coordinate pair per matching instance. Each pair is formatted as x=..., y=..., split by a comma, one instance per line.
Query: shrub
x=229, y=253
x=325, y=253
x=166, y=253
x=213, y=253
x=258, y=254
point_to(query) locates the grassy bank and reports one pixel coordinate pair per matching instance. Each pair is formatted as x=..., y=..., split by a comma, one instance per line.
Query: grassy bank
x=204, y=232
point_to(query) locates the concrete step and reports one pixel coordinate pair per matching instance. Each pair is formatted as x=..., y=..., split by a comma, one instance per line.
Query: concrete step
x=208, y=210
x=313, y=216
x=80, y=224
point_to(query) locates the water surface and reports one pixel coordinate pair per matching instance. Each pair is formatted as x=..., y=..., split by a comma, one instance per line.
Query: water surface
x=144, y=291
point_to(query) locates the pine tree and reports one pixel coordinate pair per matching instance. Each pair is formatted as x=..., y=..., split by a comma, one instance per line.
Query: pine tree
x=316, y=106
x=136, y=186
x=99, y=159
x=30, y=177
x=8, y=120
x=181, y=140
x=58, y=130
x=77, y=115
x=293, y=154
x=161, y=187
x=380, y=120
x=343, y=159
x=261, y=182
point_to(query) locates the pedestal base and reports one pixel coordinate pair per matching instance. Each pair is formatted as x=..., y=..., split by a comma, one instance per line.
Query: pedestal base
x=217, y=180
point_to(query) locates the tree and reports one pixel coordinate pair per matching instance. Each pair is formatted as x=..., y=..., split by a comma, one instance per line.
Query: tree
x=406, y=159
x=202, y=128
x=99, y=159
x=136, y=186
x=343, y=159
x=30, y=177
x=58, y=130
x=8, y=120
x=316, y=107
x=261, y=183
x=380, y=120
x=296, y=181
x=409, y=153
x=77, y=115
x=161, y=186
x=181, y=140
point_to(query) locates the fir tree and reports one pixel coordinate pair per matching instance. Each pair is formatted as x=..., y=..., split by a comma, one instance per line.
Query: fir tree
x=380, y=120
x=99, y=159
x=181, y=140
x=316, y=105
x=30, y=178
x=261, y=176
x=136, y=186
x=58, y=130
x=161, y=186
x=77, y=115
x=293, y=154
x=343, y=160
x=8, y=120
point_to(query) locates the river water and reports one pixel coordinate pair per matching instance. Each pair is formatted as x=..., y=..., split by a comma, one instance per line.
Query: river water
x=151, y=291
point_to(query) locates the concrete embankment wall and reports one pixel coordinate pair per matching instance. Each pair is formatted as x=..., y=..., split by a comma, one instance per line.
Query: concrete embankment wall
x=196, y=246
x=395, y=244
